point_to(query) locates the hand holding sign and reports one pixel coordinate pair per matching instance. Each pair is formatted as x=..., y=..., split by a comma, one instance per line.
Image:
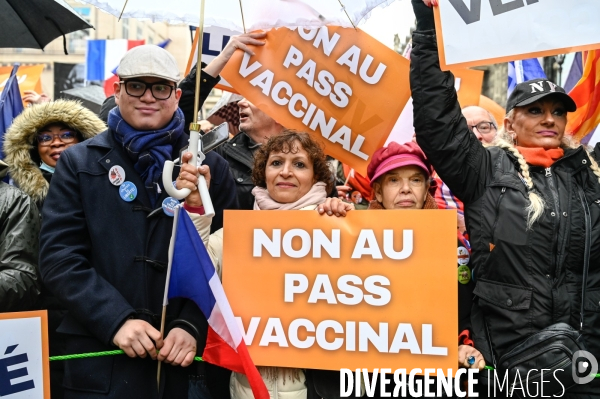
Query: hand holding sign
x=335, y=206
x=241, y=42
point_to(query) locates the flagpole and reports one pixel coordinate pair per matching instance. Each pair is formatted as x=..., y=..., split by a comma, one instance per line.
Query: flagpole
x=242, y=11
x=350, y=174
x=166, y=295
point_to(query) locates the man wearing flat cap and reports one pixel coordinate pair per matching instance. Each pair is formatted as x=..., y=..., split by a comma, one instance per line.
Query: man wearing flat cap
x=105, y=237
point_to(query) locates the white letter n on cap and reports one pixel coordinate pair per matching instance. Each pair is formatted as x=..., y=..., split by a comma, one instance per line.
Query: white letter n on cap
x=535, y=87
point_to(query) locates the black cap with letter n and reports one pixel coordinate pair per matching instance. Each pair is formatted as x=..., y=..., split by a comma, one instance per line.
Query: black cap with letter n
x=533, y=90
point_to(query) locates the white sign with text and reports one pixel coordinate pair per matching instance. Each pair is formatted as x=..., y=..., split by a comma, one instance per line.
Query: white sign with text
x=22, y=358
x=481, y=32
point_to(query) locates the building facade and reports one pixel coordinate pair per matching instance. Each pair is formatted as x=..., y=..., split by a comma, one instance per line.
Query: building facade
x=106, y=26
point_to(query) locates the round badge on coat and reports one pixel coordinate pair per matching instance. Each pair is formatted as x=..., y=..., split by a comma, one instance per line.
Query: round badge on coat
x=463, y=256
x=128, y=191
x=168, y=206
x=464, y=274
x=116, y=175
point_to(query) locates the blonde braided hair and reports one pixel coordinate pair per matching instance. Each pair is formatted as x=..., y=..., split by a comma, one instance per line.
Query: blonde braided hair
x=594, y=166
x=536, y=206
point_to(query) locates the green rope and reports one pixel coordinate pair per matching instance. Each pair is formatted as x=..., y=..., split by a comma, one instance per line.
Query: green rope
x=491, y=368
x=98, y=354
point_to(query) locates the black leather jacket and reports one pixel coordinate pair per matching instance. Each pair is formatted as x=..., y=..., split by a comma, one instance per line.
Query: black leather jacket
x=20, y=283
x=526, y=279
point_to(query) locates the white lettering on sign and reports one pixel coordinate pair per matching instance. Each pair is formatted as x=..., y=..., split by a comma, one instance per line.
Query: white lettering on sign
x=318, y=241
x=367, y=245
x=351, y=58
x=347, y=285
x=344, y=335
x=246, y=70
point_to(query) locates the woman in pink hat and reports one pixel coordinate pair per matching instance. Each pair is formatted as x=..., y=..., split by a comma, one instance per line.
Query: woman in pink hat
x=400, y=175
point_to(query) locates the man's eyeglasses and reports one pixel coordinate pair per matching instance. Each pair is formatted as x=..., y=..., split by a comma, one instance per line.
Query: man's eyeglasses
x=136, y=88
x=484, y=127
x=45, y=139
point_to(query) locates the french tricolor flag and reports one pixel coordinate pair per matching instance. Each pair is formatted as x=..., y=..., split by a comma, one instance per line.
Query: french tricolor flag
x=191, y=274
x=102, y=58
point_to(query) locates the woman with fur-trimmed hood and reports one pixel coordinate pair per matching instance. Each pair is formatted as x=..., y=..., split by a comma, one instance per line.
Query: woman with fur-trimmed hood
x=32, y=147
x=37, y=137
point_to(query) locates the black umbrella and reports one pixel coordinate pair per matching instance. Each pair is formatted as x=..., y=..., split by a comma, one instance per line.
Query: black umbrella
x=91, y=97
x=35, y=23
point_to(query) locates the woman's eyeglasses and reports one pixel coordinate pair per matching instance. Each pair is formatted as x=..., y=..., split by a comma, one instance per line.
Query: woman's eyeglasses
x=136, y=88
x=45, y=139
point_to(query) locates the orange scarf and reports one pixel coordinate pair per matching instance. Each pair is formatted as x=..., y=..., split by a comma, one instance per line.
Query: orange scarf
x=538, y=156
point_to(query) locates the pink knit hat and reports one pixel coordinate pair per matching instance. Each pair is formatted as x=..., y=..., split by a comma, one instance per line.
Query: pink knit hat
x=396, y=156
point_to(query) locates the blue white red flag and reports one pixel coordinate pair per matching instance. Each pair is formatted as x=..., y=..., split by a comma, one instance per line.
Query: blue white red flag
x=11, y=104
x=103, y=55
x=522, y=71
x=192, y=275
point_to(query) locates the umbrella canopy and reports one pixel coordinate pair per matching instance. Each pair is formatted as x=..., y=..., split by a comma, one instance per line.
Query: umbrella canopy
x=35, y=23
x=91, y=97
x=258, y=14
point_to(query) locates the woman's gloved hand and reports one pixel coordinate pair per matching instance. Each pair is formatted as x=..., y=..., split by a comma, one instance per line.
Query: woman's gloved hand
x=424, y=14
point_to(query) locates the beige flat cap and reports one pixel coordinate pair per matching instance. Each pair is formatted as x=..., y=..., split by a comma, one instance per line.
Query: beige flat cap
x=148, y=60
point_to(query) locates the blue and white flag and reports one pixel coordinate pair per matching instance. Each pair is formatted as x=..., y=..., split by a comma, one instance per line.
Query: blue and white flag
x=522, y=71
x=11, y=104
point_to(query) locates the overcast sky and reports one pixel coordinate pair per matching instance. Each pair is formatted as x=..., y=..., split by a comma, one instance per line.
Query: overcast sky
x=384, y=22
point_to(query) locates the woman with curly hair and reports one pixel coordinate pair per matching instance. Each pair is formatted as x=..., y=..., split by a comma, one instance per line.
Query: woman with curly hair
x=290, y=173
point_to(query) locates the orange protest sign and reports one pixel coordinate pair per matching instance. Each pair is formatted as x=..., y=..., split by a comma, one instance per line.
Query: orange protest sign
x=339, y=84
x=470, y=82
x=372, y=290
x=468, y=87
x=491, y=106
x=24, y=348
x=29, y=78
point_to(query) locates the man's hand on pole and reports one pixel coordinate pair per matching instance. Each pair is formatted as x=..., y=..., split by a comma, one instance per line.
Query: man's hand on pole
x=188, y=179
x=179, y=348
x=135, y=338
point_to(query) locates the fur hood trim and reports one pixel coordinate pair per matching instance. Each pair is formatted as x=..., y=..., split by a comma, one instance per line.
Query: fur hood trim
x=19, y=138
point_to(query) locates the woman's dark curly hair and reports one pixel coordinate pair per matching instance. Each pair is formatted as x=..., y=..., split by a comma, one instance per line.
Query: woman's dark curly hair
x=287, y=142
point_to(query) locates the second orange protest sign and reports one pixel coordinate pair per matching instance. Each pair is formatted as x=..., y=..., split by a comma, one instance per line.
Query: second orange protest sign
x=339, y=84
x=29, y=78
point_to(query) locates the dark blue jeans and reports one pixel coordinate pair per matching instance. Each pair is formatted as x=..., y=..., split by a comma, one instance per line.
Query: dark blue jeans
x=198, y=389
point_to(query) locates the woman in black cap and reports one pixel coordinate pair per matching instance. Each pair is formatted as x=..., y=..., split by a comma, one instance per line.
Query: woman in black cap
x=532, y=206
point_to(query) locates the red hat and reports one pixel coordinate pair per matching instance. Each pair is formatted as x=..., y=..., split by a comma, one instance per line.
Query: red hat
x=396, y=156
